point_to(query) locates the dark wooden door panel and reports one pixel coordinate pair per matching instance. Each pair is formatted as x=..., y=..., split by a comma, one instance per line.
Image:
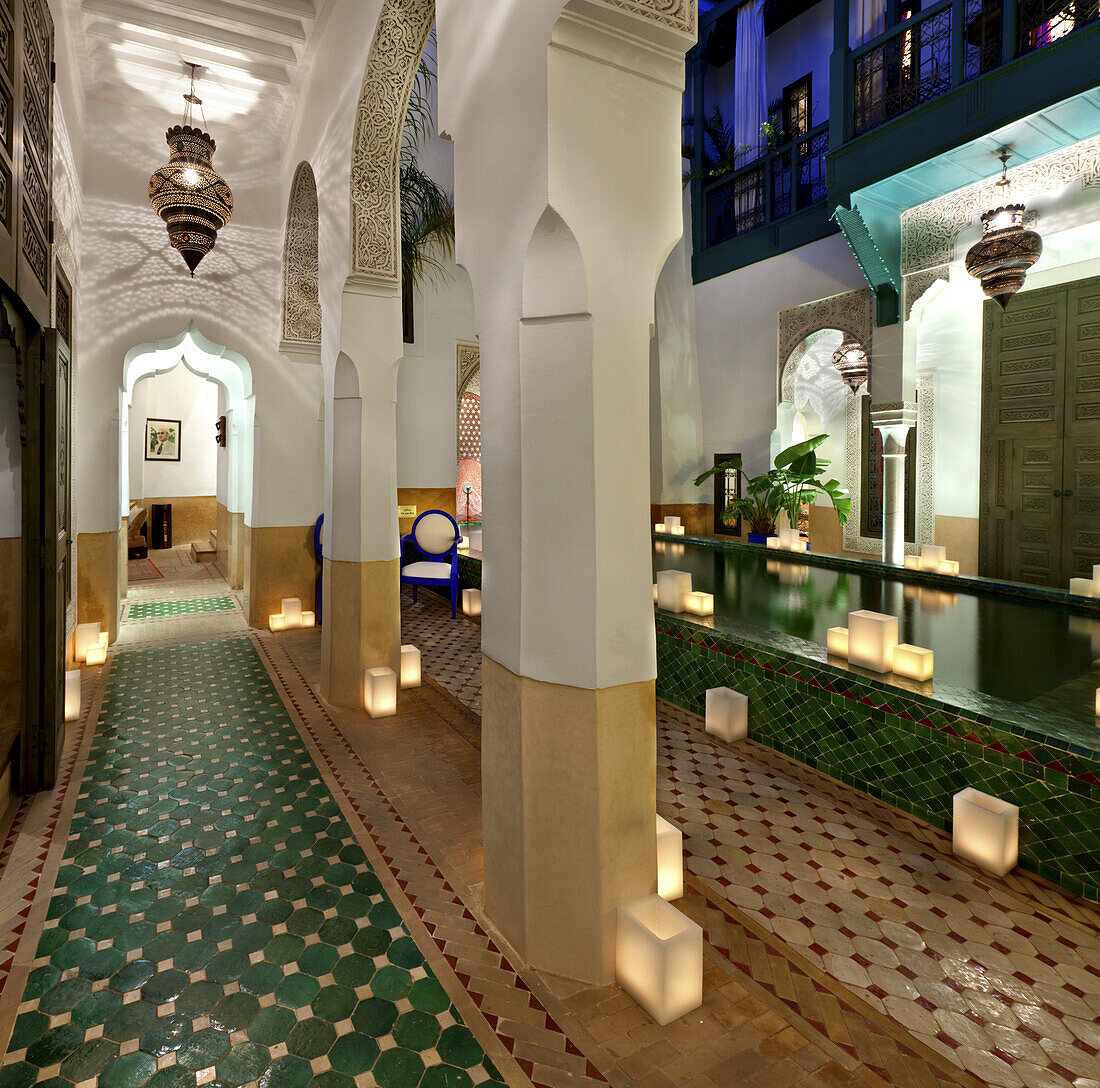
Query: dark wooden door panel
x=1081, y=480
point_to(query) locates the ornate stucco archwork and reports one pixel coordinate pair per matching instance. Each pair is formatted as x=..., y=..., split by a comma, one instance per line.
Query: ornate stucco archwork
x=399, y=40
x=468, y=367
x=931, y=232
x=677, y=15
x=301, y=325
x=851, y=312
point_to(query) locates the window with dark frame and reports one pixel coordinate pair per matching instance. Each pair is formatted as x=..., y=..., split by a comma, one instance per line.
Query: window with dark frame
x=797, y=108
x=727, y=487
x=408, y=332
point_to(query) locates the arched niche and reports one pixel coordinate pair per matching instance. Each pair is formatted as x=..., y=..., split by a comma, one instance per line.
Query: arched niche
x=232, y=373
x=301, y=309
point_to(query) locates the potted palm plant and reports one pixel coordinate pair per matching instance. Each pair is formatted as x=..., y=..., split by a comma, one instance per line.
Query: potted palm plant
x=792, y=482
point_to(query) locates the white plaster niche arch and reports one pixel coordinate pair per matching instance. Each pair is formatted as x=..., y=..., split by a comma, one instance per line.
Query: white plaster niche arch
x=229, y=370
x=301, y=309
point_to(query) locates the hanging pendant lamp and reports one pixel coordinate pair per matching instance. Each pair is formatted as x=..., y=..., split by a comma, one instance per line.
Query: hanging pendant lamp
x=851, y=361
x=186, y=192
x=1000, y=261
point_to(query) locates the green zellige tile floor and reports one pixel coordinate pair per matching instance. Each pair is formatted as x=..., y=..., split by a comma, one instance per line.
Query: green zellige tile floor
x=145, y=610
x=215, y=921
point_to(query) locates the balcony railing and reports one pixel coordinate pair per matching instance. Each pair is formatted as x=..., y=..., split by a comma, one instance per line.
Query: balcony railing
x=782, y=181
x=949, y=43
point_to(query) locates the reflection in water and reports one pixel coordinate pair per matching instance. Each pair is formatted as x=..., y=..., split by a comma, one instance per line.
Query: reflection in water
x=1026, y=653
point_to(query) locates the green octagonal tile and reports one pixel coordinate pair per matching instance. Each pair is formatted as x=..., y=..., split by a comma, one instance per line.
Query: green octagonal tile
x=457, y=1046
x=244, y=1063
x=203, y=1049
x=261, y=978
x=428, y=996
x=29, y=1026
x=332, y=1079
x=199, y=998
x=392, y=983
x=445, y=1076
x=297, y=990
x=88, y=1060
x=272, y=1025
x=334, y=1003
x=132, y=976
x=129, y=1071
x=18, y=1075
x=165, y=986
x=398, y=1068
x=55, y=1045
x=354, y=1053
x=416, y=1030
x=130, y=1021
x=174, y=1076
x=234, y=1012
x=311, y=1038
x=168, y=1033
x=194, y=955
x=318, y=959
x=374, y=1017
x=64, y=996
x=288, y=1072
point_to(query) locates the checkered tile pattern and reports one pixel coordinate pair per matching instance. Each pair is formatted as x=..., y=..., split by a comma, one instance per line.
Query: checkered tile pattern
x=144, y=610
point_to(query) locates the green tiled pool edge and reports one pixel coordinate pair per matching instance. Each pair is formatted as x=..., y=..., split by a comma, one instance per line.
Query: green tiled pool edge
x=904, y=750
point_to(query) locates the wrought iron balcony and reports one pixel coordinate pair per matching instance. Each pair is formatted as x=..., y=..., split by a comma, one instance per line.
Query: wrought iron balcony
x=785, y=179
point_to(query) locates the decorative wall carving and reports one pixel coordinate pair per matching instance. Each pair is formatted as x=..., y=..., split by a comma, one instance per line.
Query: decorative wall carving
x=399, y=40
x=930, y=232
x=851, y=312
x=914, y=286
x=469, y=369
x=678, y=14
x=301, y=304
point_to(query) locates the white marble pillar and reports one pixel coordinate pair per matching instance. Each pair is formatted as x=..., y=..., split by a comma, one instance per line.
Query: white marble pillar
x=893, y=422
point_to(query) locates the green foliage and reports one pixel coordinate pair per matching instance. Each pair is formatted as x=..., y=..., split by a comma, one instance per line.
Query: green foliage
x=427, y=209
x=793, y=482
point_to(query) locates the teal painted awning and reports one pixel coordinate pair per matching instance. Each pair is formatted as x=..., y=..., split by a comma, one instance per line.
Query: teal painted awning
x=871, y=263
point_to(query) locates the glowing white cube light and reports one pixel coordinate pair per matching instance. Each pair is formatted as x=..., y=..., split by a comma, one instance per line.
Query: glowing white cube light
x=673, y=586
x=912, y=562
x=772, y=542
x=659, y=958
x=670, y=860
x=727, y=714
x=410, y=667
x=676, y=530
x=654, y=592
x=699, y=603
x=276, y=622
x=1098, y=702
x=309, y=619
x=96, y=655
x=871, y=640
x=949, y=566
x=931, y=556
x=671, y=522
x=986, y=831
x=380, y=692
x=463, y=543
x=72, y=695
x=86, y=636
x=836, y=641
x=659, y=527
x=471, y=602
x=1083, y=587
x=913, y=662
x=475, y=541
x=292, y=612
x=789, y=539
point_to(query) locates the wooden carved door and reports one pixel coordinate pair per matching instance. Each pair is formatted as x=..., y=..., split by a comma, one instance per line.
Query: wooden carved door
x=1040, y=513
x=47, y=556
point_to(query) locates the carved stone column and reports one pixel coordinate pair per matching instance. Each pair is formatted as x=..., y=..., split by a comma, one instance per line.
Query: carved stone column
x=893, y=422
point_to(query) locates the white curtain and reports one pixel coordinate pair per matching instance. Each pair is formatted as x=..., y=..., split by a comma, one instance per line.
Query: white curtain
x=750, y=74
x=867, y=20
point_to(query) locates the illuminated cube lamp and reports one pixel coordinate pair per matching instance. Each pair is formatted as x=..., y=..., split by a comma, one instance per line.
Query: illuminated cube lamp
x=72, y=695
x=471, y=602
x=699, y=603
x=676, y=530
x=659, y=958
x=96, y=654
x=871, y=640
x=836, y=641
x=673, y=586
x=86, y=636
x=985, y=830
x=654, y=592
x=727, y=714
x=912, y=562
x=789, y=539
x=672, y=522
x=931, y=556
x=309, y=619
x=949, y=566
x=670, y=860
x=659, y=527
x=772, y=542
x=292, y=612
x=913, y=662
x=1097, y=701
x=276, y=622
x=410, y=667
x=380, y=692
x=1082, y=587
x=464, y=544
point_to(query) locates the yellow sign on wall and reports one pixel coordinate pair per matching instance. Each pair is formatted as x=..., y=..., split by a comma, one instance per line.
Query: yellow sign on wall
x=406, y=511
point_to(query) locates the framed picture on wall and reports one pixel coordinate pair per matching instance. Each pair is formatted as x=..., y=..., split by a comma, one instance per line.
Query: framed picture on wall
x=162, y=440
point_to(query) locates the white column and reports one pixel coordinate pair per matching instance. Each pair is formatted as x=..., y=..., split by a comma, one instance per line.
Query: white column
x=893, y=422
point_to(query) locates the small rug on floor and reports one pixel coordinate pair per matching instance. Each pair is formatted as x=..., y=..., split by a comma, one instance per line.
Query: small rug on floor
x=142, y=570
x=145, y=610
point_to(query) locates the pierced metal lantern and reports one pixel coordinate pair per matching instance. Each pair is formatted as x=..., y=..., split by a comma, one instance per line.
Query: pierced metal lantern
x=1000, y=261
x=851, y=360
x=187, y=193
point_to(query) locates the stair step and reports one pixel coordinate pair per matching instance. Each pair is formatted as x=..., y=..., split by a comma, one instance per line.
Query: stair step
x=214, y=539
x=202, y=552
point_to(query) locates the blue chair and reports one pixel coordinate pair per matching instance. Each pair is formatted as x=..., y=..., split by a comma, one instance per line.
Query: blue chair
x=435, y=536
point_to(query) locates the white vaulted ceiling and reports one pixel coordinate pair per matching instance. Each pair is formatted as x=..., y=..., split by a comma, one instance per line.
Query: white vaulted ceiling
x=133, y=54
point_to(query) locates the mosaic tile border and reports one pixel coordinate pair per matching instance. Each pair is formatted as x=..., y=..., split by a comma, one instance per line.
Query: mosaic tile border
x=894, y=748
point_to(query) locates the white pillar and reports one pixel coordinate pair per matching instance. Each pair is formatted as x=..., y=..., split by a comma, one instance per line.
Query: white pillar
x=893, y=422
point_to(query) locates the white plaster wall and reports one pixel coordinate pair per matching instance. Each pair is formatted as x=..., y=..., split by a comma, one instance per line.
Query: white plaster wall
x=181, y=395
x=736, y=332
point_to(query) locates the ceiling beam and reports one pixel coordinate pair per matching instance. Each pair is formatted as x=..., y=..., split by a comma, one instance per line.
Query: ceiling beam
x=224, y=14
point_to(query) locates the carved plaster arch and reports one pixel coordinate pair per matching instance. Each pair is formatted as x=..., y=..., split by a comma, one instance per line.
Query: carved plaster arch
x=399, y=40
x=851, y=312
x=301, y=303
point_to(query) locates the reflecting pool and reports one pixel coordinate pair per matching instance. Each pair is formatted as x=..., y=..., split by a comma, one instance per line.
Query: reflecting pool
x=1033, y=653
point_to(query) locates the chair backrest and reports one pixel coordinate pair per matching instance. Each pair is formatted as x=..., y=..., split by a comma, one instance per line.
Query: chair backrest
x=435, y=532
